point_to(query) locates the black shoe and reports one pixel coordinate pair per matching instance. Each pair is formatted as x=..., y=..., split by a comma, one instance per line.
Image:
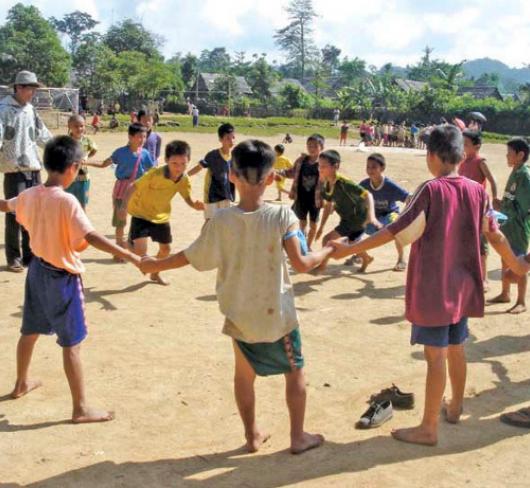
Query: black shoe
x=400, y=400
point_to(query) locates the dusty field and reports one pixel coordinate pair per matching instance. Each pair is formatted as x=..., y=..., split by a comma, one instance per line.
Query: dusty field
x=157, y=357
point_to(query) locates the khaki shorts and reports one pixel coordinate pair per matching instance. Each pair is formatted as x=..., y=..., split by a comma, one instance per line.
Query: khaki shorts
x=211, y=208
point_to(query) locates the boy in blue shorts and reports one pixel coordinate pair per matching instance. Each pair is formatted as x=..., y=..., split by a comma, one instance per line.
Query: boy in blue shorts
x=54, y=302
x=386, y=194
x=243, y=243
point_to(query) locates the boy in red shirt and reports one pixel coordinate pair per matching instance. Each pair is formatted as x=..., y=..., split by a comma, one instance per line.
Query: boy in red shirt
x=444, y=281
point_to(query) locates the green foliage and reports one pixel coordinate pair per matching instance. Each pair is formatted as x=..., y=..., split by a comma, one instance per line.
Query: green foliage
x=74, y=25
x=261, y=77
x=133, y=36
x=294, y=97
x=215, y=61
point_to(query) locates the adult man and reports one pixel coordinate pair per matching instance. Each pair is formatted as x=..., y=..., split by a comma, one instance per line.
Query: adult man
x=21, y=130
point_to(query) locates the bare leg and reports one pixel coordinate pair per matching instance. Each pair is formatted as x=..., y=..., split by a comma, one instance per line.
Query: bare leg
x=120, y=241
x=427, y=432
x=457, y=366
x=244, y=377
x=24, y=385
x=312, y=233
x=366, y=260
x=303, y=226
x=163, y=252
x=401, y=265
x=484, y=264
x=81, y=412
x=295, y=394
x=504, y=297
x=520, y=305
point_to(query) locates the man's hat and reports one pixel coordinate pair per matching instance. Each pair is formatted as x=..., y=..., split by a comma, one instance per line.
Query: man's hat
x=27, y=78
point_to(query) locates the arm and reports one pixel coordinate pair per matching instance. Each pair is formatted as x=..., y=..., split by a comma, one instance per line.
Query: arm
x=328, y=210
x=378, y=239
x=300, y=263
x=492, y=181
x=3, y=206
x=370, y=211
x=103, y=244
x=195, y=169
x=499, y=242
x=158, y=147
x=197, y=205
x=92, y=153
x=104, y=164
x=152, y=265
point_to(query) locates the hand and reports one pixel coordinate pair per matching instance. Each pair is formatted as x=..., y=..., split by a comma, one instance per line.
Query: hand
x=341, y=249
x=277, y=176
x=198, y=205
x=148, y=264
x=134, y=259
x=378, y=225
x=497, y=203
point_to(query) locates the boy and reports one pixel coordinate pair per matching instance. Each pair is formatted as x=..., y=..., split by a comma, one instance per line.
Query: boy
x=54, y=303
x=306, y=188
x=81, y=186
x=150, y=202
x=344, y=128
x=475, y=168
x=281, y=163
x=131, y=161
x=516, y=206
x=244, y=242
x=218, y=190
x=153, y=141
x=443, y=222
x=354, y=205
x=386, y=194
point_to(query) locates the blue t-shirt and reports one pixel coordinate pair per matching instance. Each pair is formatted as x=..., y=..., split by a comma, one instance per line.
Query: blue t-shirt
x=125, y=159
x=386, y=196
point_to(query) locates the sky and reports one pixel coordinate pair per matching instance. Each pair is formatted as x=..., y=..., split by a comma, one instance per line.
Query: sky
x=378, y=31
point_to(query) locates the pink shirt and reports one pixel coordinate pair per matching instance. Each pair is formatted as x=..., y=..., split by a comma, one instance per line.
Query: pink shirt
x=444, y=221
x=56, y=223
x=470, y=168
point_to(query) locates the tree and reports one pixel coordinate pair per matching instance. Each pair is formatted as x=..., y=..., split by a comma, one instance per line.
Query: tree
x=261, y=77
x=215, y=61
x=29, y=41
x=294, y=97
x=295, y=39
x=189, y=67
x=351, y=70
x=74, y=25
x=330, y=58
x=133, y=36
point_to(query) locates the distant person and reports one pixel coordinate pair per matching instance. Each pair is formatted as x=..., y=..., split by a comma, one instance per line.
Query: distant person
x=336, y=116
x=344, y=128
x=113, y=122
x=195, y=116
x=287, y=139
x=96, y=122
x=156, y=117
x=281, y=163
x=153, y=141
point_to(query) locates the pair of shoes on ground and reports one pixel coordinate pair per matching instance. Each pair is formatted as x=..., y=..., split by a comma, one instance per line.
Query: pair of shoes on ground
x=400, y=400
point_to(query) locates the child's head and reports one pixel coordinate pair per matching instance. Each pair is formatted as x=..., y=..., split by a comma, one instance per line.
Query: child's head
x=328, y=164
x=472, y=142
x=444, y=147
x=62, y=156
x=518, y=150
x=375, y=165
x=145, y=117
x=315, y=145
x=76, y=126
x=178, y=155
x=279, y=149
x=137, y=134
x=252, y=162
x=227, y=135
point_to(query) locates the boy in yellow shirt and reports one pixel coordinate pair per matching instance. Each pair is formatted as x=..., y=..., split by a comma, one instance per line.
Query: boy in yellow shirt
x=150, y=202
x=280, y=163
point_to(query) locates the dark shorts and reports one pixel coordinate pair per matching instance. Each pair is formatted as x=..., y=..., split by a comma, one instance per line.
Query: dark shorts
x=280, y=357
x=54, y=303
x=440, y=336
x=302, y=207
x=141, y=228
x=345, y=230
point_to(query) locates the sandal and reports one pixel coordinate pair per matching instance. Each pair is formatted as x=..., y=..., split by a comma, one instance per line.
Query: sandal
x=520, y=418
x=400, y=266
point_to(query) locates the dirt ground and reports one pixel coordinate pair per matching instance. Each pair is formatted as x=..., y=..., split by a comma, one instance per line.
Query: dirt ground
x=157, y=357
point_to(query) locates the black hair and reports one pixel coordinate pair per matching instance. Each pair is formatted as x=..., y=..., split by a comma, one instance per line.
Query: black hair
x=75, y=118
x=474, y=136
x=225, y=129
x=331, y=156
x=446, y=142
x=252, y=160
x=60, y=153
x=378, y=158
x=320, y=140
x=518, y=144
x=143, y=113
x=178, y=148
x=136, y=128
x=279, y=148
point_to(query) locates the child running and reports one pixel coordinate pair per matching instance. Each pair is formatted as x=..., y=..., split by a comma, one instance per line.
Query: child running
x=218, y=190
x=81, y=186
x=245, y=242
x=353, y=204
x=516, y=206
x=386, y=194
x=153, y=141
x=54, y=302
x=150, y=202
x=281, y=163
x=443, y=222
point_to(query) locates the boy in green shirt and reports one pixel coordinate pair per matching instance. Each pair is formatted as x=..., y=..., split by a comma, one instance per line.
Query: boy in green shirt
x=516, y=206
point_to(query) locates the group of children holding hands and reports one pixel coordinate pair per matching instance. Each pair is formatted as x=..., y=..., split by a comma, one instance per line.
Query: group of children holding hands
x=444, y=220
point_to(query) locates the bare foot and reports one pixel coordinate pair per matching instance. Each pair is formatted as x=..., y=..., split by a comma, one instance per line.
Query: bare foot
x=254, y=442
x=451, y=412
x=89, y=415
x=517, y=309
x=118, y=260
x=22, y=389
x=158, y=279
x=500, y=299
x=486, y=286
x=306, y=442
x=400, y=266
x=366, y=263
x=416, y=435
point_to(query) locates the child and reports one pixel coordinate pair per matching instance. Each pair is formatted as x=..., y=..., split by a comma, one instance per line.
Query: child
x=344, y=133
x=287, y=139
x=443, y=222
x=81, y=186
x=281, y=163
x=150, y=202
x=131, y=161
x=386, y=194
x=352, y=202
x=218, y=190
x=306, y=189
x=153, y=141
x=96, y=122
x=475, y=168
x=516, y=206
x=54, y=303
x=242, y=243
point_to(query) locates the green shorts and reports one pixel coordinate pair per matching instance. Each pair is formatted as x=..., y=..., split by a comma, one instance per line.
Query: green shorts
x=119, y=214
x=270, y=358
x=80, y=190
